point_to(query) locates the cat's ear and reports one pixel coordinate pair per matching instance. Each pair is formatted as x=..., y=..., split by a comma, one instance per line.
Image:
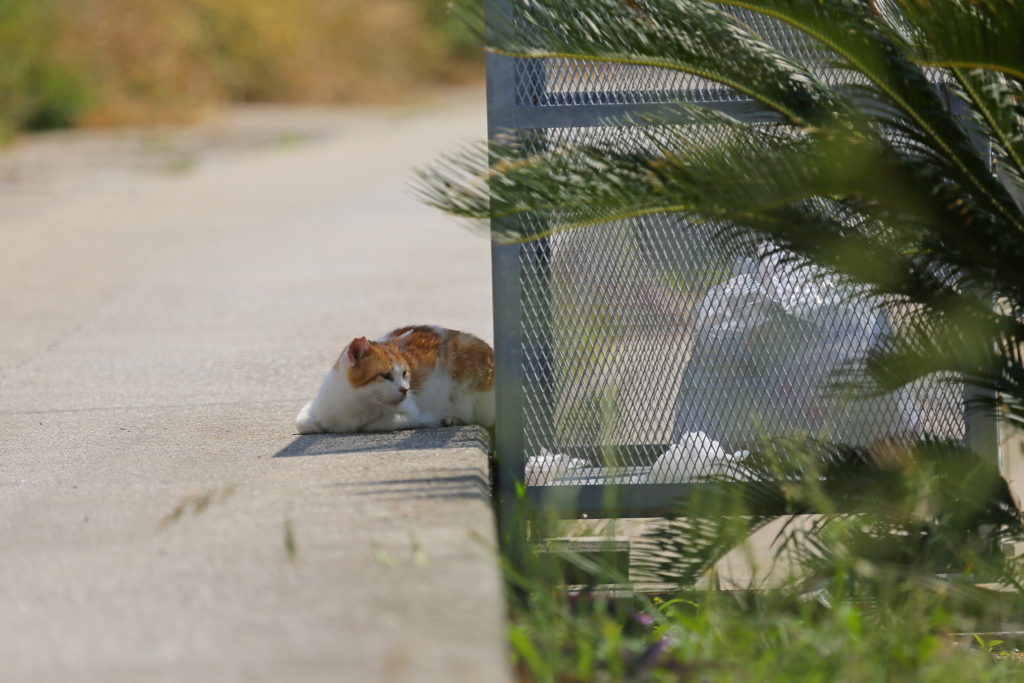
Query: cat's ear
x=357, y=349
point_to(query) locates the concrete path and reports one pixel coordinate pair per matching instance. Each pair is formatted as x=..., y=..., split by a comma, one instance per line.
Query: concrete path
x=160, y=326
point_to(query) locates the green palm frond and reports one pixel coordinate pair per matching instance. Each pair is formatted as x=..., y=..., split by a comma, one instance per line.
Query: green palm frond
x=759, y=178
x=980, y=347
x=710, y=524
x=969, y=340
x=663, y=170
x=979, y=45
x=907, y=210
x=931, y=510
x=998, y=106
x=967, y=34
x=871, y=47
x=690, y=37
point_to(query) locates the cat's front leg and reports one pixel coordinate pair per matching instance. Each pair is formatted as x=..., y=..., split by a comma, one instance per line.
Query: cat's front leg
x=305, y=423
x=432, y=420
x=405, y=416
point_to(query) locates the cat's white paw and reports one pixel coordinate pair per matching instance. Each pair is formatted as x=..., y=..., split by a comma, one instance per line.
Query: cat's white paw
x=391, y=422
x=431, y=420
x=305, y=423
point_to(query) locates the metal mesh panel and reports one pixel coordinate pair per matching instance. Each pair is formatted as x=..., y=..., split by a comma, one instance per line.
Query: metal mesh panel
x=654, y=352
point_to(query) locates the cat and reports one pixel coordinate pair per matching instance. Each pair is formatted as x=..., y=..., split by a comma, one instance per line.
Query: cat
x=418, y=376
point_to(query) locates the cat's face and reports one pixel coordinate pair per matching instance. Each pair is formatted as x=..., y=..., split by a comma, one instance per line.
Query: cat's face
x=376, y=371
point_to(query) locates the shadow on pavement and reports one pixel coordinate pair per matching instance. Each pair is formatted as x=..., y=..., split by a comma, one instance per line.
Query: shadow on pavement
x=472, y=484
x=444, y=483
x=413, y=439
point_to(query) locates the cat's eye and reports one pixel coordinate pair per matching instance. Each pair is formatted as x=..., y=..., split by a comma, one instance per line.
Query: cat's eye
x=405, y=373
x=385, y=375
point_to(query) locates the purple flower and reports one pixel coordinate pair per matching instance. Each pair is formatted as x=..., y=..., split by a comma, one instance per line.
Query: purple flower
x=645, y=619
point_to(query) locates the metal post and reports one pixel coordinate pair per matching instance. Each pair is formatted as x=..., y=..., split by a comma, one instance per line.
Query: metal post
x=507, y=301
x=979, y=414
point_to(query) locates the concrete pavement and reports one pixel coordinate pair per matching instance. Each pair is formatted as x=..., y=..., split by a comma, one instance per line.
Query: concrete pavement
x=159, y=329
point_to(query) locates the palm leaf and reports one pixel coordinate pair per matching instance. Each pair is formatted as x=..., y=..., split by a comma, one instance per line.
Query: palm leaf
x=965, y=34
x=872, y=48
x=691, y=37
x=933, y=509
x=998, y=105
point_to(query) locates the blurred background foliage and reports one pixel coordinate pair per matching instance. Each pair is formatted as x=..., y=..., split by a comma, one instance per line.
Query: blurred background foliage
x=115, y=62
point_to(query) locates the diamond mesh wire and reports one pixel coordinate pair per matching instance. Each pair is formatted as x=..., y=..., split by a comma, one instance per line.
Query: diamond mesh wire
x=654, y=352
x=572, y=82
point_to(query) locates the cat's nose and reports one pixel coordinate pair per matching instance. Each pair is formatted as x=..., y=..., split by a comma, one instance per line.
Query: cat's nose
x=404, y=390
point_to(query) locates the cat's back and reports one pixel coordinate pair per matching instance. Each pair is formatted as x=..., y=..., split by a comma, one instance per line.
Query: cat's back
x=465, y=358
x=451, y=373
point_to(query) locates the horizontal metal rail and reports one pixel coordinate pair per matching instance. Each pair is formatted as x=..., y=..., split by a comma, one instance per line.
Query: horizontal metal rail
x=610, y=501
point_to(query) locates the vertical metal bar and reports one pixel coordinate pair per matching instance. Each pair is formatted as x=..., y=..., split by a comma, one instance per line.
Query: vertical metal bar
x=508, y=376
x=507, y=302
x=982, y=426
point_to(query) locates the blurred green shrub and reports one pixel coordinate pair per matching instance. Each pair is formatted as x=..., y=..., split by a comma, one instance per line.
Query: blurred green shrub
x=36, y=91
x=58, y=97
x=104, y=62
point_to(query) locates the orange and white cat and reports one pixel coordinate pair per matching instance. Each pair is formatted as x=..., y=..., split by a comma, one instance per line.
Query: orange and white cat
x=420, y=376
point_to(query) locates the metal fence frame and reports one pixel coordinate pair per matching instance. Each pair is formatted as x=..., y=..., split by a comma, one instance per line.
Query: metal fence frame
x=505, y=116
